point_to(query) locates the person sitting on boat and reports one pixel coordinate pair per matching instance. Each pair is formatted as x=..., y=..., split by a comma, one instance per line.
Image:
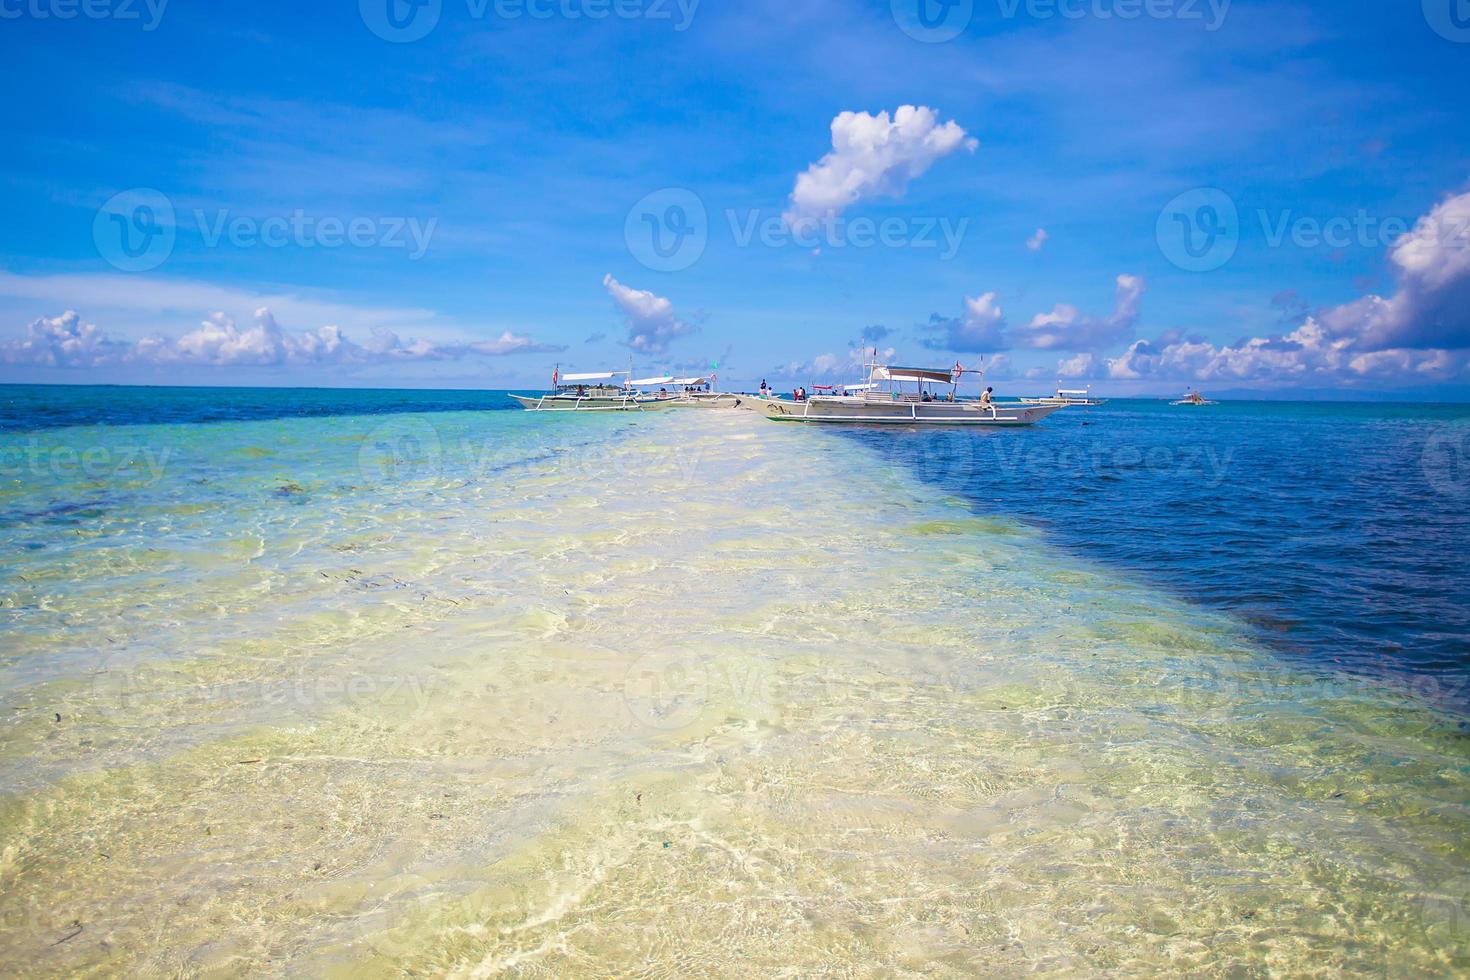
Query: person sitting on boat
x=926, y=397
x=987, y=400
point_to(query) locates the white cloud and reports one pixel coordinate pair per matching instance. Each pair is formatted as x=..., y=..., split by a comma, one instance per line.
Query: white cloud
x=150, y=300
x=63, y=341
x=1431, y=307
x=1419, y=334
x=1307, y=355
x=1080, y=366
x=1065, y=328
x=872, y=156
x=980, y=330
x=652, y=323
x=66, y=341
x=1037, y=240
x=830, y=367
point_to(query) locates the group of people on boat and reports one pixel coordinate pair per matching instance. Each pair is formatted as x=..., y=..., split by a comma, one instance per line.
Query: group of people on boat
x=987, y=397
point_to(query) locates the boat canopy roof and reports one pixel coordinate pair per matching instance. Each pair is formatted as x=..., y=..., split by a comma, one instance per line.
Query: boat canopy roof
x=667, y=379
x=1073, y=391
x=913, y=374
x=595, y=376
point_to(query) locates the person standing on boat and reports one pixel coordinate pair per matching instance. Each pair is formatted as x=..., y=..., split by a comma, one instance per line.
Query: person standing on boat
x=764, y=389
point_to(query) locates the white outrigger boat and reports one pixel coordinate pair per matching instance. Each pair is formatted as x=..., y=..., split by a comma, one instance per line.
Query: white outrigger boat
x=685, y=392
x=1067, y=396
x=884, y=399
x=1194, y=398
x=595, y=392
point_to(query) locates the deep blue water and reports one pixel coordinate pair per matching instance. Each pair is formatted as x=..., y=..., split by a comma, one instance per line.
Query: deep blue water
x=1339, y=531
x=31, y=407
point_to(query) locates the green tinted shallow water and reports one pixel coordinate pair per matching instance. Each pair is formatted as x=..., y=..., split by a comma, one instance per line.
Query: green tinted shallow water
x=688, y=693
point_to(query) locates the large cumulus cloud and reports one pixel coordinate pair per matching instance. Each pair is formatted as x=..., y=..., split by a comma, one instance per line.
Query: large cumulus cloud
x=872, y=156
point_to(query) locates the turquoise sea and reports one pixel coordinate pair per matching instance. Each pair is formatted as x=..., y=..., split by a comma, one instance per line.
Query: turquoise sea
x=409, y=682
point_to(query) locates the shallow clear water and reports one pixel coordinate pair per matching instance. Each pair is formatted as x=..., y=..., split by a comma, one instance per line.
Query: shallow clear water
x=476, y=691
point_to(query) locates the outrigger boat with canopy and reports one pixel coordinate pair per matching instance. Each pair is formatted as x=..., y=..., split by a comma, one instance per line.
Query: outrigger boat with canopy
x=1067, y=396
x=685, y=392
x=885, y=398
x=594, y=392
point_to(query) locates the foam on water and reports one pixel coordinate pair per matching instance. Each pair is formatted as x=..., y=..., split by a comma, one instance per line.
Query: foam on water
x=685, y=693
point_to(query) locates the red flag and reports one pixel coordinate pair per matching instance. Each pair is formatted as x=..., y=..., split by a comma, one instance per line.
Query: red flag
x=555, y=375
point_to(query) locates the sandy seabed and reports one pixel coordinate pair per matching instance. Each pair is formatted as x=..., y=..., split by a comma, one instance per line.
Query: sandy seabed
x=685, y=694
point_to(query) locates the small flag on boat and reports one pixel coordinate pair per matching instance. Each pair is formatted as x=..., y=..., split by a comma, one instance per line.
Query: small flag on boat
x=555, y=376
x=954, y=375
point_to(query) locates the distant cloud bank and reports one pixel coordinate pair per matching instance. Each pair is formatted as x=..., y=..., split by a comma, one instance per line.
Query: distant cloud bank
x=66, y=341
x=1418, y=334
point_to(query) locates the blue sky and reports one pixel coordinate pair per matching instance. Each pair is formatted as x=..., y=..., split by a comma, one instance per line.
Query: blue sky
x=307, y=202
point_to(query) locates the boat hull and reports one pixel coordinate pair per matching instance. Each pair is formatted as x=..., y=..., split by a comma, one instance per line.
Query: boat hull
x=595, y=403
x=711, y=400
x=1065, y=402
x=898, y=412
